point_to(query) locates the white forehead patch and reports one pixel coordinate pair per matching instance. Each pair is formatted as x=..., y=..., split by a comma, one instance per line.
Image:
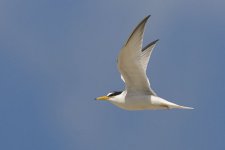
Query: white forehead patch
x=109, y=94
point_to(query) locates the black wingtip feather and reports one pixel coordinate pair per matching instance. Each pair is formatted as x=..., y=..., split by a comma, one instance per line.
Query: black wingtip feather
x=143, y=21
x=150, y=44
x=147, y=16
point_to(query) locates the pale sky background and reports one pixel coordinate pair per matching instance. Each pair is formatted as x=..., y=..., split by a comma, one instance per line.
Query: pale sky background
x=57, y=56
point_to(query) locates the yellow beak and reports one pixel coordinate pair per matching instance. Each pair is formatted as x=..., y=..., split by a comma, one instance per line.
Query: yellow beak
x=102, y=98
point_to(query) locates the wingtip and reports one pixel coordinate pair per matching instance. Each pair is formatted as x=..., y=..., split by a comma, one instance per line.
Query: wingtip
x=148, y=16
x=143, y=22
x=155, y=41
x=150, y=44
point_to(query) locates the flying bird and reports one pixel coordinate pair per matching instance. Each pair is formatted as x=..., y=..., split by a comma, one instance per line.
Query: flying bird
x=132, y=63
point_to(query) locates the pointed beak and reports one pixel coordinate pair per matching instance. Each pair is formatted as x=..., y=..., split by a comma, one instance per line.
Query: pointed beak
x=102, y=98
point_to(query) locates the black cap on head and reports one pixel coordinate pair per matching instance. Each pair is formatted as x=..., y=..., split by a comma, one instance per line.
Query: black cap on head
x=114, y=93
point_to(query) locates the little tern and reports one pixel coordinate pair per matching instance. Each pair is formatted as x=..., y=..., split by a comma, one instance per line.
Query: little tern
x=132, y=63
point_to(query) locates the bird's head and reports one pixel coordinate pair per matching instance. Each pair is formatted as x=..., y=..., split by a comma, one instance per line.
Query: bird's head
x=109, y=96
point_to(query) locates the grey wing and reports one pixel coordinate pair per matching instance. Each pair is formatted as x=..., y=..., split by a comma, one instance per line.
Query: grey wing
x=130, y=62
x=145, y=56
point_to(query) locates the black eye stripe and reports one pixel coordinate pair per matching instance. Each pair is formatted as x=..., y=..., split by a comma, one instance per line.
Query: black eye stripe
x=115, y=93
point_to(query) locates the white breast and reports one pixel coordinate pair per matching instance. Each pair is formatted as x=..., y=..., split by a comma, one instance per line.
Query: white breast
x=139, y=102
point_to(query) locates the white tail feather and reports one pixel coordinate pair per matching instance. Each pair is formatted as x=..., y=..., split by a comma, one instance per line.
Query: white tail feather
x=179, y=106
x=173, y=105
x=184, y=107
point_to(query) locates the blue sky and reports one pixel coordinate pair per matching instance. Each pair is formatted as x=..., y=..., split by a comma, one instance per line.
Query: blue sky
x=57, y=56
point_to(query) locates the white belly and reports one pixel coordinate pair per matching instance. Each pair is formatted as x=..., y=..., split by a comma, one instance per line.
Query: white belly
x=142, y=102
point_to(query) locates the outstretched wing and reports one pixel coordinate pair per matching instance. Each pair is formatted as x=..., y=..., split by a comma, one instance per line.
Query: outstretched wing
x=146, y=54
x=133, y=60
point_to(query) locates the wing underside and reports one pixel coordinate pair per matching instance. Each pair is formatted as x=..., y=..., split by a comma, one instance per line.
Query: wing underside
x=133, y=61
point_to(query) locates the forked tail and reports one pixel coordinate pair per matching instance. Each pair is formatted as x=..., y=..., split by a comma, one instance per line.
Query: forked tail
x=172, y=105
x=184, y=107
